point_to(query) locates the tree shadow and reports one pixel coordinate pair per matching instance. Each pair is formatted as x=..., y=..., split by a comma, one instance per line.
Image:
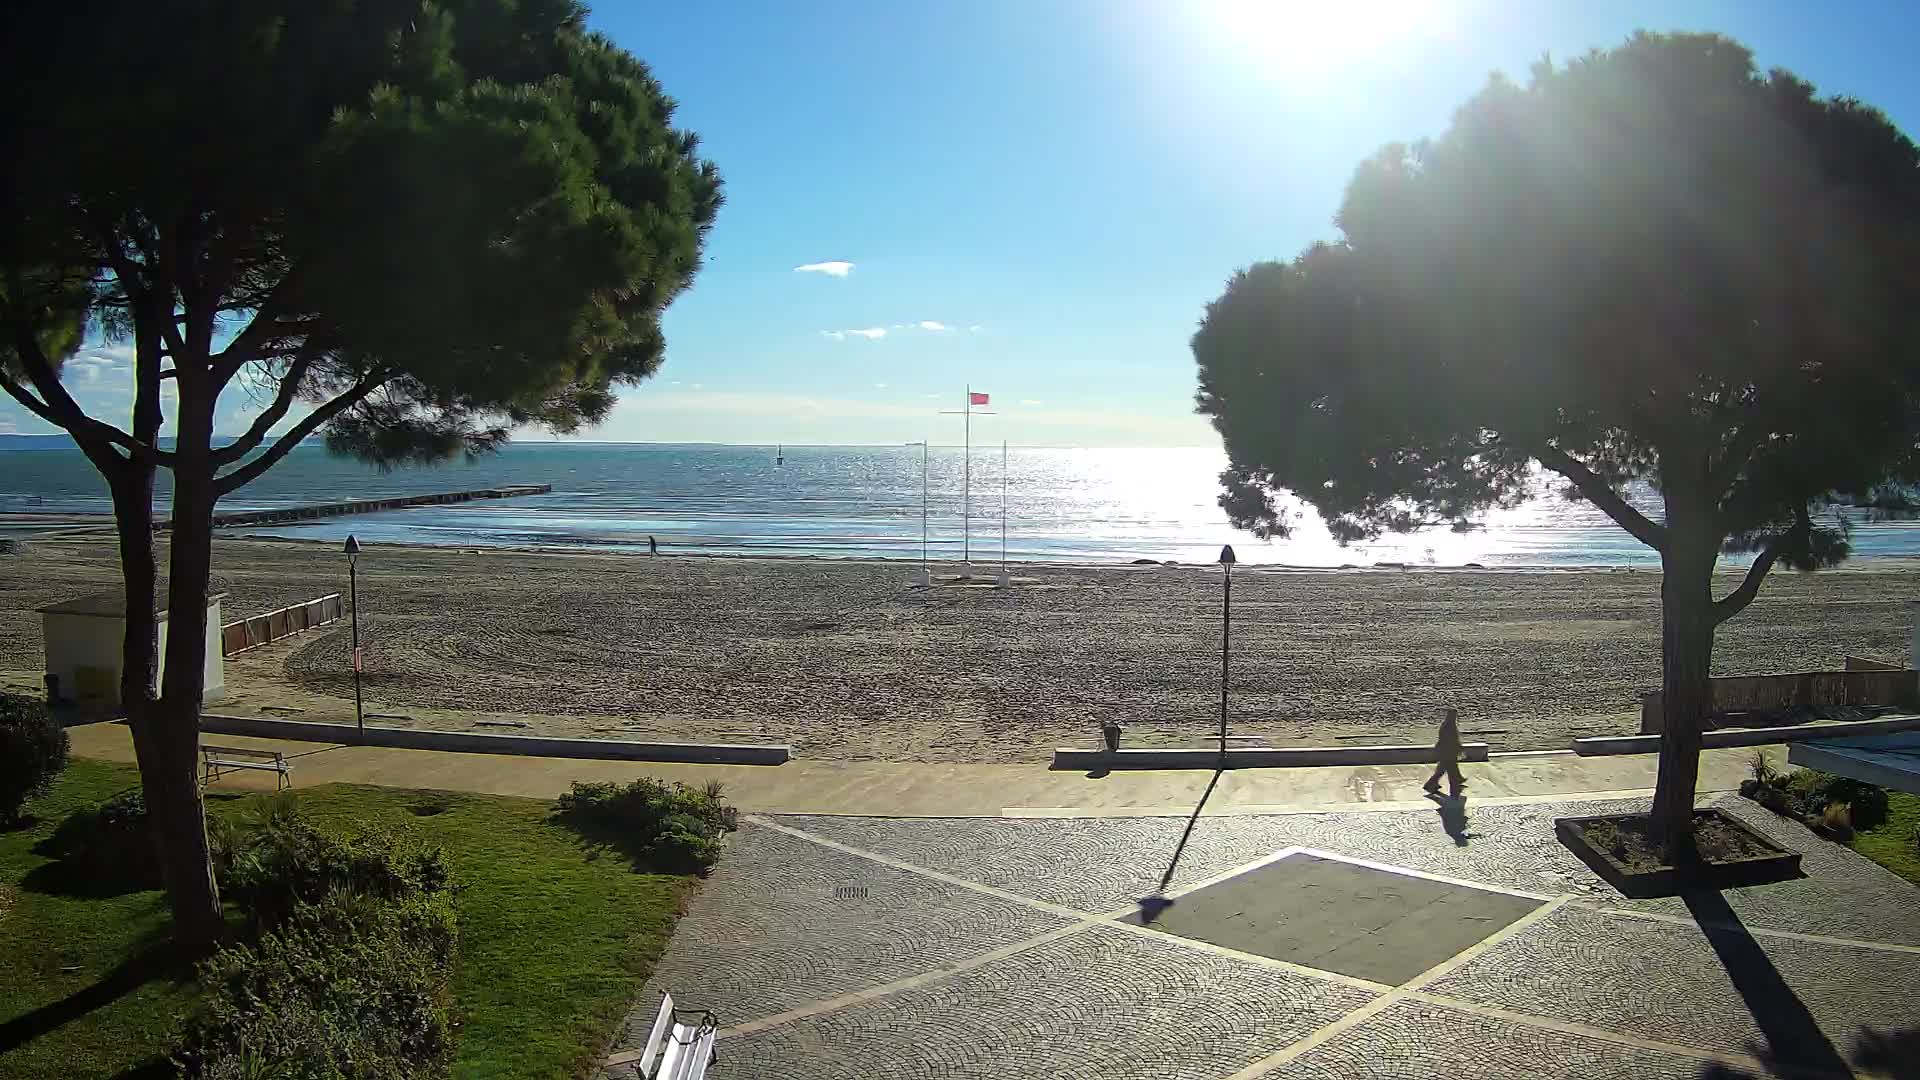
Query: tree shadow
x=93, y=862
x=163, y=959
x=1152, y=905
x=1794, y=1039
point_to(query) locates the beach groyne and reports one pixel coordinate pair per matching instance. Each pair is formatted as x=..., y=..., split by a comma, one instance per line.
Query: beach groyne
x=368, y=506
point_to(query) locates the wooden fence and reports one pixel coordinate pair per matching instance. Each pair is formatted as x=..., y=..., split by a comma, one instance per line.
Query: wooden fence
x=1748, y=693
x=238, y=637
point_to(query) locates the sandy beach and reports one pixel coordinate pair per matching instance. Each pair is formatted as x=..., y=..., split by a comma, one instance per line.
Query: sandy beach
x=846, y=662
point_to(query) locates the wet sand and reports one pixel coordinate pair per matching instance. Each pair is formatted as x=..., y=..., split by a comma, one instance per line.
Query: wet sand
x=846, y=662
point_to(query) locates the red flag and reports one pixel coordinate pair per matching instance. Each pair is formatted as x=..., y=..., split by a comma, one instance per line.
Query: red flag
x=977, y=399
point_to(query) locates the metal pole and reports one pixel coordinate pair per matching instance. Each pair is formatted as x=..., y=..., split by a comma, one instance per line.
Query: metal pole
x=353, y=593
x=1003, y=506
x=923, y=505
x=966, y=489
x=1226, y=634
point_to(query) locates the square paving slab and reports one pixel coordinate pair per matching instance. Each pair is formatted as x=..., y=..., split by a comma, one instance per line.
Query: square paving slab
x=1341, y=916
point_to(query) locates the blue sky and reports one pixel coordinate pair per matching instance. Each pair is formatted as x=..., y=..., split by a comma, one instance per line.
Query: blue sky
x=1038, y=197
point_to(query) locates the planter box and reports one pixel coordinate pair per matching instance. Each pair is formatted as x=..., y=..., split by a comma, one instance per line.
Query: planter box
x=1777, y=864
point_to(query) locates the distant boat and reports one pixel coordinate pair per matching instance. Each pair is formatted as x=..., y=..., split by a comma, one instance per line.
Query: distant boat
x=780, y=454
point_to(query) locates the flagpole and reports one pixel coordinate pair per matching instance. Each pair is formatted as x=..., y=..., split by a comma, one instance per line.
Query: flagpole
x=1004, y=580
x=966, y=495
x=923, y=508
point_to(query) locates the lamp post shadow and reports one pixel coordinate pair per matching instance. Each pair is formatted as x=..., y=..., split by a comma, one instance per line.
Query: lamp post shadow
x=1152, y=905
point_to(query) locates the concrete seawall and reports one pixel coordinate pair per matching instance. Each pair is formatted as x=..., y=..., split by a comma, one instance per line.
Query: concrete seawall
x=368, y=506
x=481, y=743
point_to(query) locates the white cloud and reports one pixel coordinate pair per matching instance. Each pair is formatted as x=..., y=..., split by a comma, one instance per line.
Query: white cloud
x=831, y=268
x=900, y=326
x=975, y=329
x=1031, y=404
x=699, y=386
x=936, y=327
x=879, y=386
x=837, y=335
x=7, y=426
x=871, y=333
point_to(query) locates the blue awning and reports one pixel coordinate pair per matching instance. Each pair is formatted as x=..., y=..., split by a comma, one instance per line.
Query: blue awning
x=1890, y=761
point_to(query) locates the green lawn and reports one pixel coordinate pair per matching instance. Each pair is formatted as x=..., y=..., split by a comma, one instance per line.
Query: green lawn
x=1892, y=844
x=554, y=942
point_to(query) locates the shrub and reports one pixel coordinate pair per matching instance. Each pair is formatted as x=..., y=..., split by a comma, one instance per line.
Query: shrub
x=103, y=851
x=1817, y=790
x=1837, y=819
x=350, y=986
x=33, y=750
x=1763, y=771
x=285, y=861
x=669, y=827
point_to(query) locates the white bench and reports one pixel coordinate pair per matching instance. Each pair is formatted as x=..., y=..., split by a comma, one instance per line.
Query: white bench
x=217, y=760
x=676, y=1050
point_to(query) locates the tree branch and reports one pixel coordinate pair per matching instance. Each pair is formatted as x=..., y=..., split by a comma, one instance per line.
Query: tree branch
x=1601, y=494
x=32, y=404
x=283, y=400
x=246, y=474
x=95, y=438
x=128, y=275
x=1750, y=587
x=1739, y=451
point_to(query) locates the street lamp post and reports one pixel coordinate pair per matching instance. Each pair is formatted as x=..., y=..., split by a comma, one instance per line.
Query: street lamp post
x=1226, y=638
x=353, y=599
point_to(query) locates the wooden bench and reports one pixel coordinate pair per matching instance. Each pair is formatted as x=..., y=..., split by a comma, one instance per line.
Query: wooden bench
x=676, y=1050
x=218, y=760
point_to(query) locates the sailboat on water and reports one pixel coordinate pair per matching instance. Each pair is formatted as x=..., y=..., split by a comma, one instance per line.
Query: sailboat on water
x=780, y=453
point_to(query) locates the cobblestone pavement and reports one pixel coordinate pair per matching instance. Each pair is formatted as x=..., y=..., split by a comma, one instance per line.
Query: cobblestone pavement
x=839, y=947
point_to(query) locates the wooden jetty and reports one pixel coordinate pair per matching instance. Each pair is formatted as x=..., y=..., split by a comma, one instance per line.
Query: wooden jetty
x=368, y=506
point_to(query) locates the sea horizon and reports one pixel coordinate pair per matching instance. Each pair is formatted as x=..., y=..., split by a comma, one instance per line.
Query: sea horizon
x=1063, y=505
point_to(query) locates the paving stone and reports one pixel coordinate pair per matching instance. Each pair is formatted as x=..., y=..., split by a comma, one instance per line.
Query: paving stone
x=767, y=934
x=1099, y=864
x=1103, y=1004
x=1844, y=894
x=1337, y=916
x=1095, y=865
x=1720, y=991
x=1413, y=1040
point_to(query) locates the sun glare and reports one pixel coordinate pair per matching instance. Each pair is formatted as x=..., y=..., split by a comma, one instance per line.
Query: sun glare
x=1320, y=35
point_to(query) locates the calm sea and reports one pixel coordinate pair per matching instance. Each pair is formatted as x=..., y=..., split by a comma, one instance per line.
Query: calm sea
x=1061, y=505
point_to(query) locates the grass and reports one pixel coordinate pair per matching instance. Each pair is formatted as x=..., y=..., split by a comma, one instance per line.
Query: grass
x=555, y=939
x=1892, y=843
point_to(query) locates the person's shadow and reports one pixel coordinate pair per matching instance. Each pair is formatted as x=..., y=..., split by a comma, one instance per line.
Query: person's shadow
x=1453, y=816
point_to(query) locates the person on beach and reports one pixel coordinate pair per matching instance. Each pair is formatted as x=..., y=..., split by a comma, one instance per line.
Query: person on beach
x=1447, y=750
x=653, y=546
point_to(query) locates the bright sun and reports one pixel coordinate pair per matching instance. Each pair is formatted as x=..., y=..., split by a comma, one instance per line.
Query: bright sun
x=1320, y=35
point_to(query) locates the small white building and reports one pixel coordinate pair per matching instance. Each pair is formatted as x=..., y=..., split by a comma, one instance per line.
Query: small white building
x=84, y=641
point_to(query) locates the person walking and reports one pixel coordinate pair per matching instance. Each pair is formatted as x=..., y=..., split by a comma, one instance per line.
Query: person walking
x=1447, y=749
x=653, y=546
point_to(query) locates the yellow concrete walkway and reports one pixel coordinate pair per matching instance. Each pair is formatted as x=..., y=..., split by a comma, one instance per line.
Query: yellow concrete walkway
x=909, y=789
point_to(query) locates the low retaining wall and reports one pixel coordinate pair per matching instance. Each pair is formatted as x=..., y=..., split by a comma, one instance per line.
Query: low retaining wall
x=468, y=742
x=1735, y=693
x=1255, y=757
x=1715, y=740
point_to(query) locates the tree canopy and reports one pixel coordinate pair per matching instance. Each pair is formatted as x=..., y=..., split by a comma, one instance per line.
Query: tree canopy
x=431, y=221
x=1651, y=264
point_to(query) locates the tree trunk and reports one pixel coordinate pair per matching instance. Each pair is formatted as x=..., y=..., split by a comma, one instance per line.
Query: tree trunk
x=174, y=801
x=1686, y=664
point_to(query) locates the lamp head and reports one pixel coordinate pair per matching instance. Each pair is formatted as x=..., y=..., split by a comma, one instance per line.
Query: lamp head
x=353, y=546
x=1226, y=555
